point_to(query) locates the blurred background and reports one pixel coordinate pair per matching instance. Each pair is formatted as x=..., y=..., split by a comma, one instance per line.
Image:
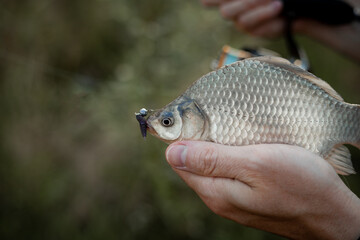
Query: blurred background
x=73, y=164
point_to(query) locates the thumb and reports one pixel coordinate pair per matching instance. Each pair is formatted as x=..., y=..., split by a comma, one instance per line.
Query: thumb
x=210, y=159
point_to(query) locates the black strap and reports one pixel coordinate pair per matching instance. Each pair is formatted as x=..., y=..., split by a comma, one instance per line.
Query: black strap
x=295, y=52
x=332, y=12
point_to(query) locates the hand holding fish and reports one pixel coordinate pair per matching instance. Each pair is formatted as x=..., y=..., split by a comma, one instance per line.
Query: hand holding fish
x=251, y=107
x=282, y=189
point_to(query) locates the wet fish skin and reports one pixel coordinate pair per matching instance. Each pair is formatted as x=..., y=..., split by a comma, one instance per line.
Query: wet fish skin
x=263, y=100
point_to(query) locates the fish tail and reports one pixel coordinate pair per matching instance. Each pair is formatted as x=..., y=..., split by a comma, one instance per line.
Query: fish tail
x=339, y=156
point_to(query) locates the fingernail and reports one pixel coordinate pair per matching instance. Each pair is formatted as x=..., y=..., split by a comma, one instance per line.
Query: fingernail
x=176, y=156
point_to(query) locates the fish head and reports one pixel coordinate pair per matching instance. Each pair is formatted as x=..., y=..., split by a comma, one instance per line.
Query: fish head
x=182, y=120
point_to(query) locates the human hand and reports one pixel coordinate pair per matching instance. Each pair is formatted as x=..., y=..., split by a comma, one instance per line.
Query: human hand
x=262, y=18
x=256, y=17
x=282, y=189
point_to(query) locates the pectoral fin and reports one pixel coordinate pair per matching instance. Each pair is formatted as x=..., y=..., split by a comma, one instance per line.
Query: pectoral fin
x=339, y=157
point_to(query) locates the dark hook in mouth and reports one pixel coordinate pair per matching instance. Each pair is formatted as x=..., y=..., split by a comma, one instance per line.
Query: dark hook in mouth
x=142, y=121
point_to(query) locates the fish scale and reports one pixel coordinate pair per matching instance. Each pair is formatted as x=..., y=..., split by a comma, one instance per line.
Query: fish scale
x=275, y=82
x=262, y=100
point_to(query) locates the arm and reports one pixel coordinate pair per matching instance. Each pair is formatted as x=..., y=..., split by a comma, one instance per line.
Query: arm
x=277, y=188
x=262, y=18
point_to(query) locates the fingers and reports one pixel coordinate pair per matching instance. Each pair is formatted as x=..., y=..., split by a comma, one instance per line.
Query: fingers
x=214, y=160
x=270, y=29
x=219, y=194
x=232, y=9
x=257, y=17
x=260, y=15
x=221, y=175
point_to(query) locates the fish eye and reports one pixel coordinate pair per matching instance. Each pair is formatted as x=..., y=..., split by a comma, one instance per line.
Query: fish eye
x=167, y=122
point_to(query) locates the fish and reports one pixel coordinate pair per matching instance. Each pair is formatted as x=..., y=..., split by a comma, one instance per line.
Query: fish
x=262, y=100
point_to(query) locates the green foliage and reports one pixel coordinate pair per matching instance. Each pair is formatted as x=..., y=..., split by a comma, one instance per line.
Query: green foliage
x=73, y=163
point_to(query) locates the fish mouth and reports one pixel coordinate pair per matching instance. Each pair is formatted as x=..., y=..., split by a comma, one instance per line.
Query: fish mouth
x=143, y=124
x=150, y=128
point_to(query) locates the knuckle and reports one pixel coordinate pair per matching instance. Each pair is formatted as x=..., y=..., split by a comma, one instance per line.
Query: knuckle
x=265, y=159
x=208, y=160
x=244, y=22
x=227, y=11
x=255, y=162
x=224, y=12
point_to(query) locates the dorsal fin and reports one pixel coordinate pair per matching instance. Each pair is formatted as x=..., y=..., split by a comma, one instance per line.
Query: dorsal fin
x=285, y=64
x=339, y=157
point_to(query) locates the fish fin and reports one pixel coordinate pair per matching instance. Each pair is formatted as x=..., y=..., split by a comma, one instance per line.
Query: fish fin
x=285, y=64
x=339, y=157
x=272, y=60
